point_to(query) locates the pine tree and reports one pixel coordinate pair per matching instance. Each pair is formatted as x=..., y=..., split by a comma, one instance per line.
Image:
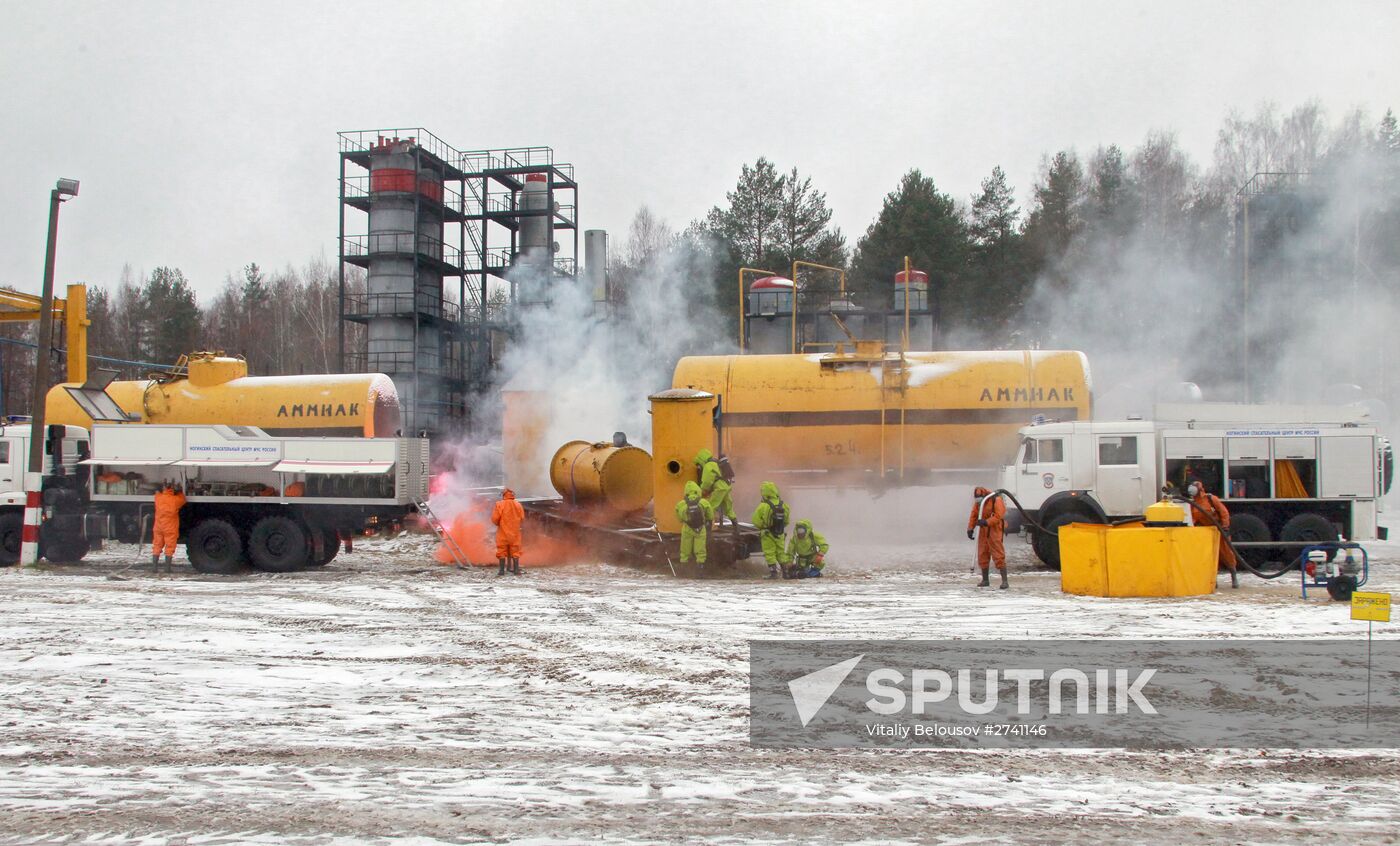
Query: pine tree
x=996, y=274
x=1111, y=209
x=173, y=313
x=918, y=221
x=1056, y=218
x=803, y=226
x=771, y=219
x=1388, y=134
x=750, y=223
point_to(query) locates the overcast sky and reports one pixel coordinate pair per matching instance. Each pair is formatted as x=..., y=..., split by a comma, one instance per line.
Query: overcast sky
x=204, y=133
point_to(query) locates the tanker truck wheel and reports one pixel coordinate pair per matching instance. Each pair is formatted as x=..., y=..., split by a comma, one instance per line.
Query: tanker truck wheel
x=279, y=545
x=1047, y=544
x=11, y=534
x=1246, y=528
x=1308, y=528
x=331, y=546
x=214, y=547
x=65, y=549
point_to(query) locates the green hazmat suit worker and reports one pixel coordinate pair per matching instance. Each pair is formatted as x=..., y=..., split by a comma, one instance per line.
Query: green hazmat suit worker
x=695, y=514
x=714, y=488
x=771, y=518
x=807, y=552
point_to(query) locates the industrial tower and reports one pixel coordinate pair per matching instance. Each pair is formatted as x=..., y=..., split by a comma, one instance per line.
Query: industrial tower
x=437, y=296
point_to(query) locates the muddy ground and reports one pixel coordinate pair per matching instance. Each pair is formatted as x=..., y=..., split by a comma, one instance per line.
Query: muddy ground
x=389, y=699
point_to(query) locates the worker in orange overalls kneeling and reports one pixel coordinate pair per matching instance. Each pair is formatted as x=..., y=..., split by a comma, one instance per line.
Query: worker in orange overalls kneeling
x=165, y=533
x=508, y=516
x=1208, y=510
x=988, y=516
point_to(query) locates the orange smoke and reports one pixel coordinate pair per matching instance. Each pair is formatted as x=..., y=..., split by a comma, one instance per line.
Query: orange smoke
x=475, y=536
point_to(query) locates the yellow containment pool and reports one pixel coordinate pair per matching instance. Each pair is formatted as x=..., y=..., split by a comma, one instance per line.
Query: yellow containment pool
x=1138, y=560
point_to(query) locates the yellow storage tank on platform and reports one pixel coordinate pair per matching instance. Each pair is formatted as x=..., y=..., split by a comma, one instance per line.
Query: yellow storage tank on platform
x=870, y=411
x=218, y=390
x=1137, y=560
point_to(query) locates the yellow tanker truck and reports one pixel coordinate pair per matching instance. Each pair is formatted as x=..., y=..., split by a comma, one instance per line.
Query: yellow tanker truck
x=217, y=389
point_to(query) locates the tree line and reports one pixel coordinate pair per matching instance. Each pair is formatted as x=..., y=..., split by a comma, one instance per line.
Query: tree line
x=1113, y=220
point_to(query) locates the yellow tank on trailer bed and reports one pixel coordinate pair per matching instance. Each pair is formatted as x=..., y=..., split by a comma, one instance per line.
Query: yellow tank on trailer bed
x=218, y=390
x=874, y=412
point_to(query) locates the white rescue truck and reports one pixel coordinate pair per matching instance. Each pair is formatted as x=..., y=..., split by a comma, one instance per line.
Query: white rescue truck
x=1283, y=482
x=278, y=503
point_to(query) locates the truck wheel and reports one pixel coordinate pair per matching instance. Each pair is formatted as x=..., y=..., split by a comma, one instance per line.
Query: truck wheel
x=1246, y=528
x=11, y=535
x=331, y=541
x=1307, y=528
x=65, y=549
x=214, y=547
x=1047, y=544
x=279, y=545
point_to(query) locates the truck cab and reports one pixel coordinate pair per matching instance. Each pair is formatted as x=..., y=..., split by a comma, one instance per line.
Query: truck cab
x=65, y=448
x=1114, y=459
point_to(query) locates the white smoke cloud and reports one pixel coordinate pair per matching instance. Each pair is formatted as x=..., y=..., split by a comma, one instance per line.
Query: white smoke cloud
x=591, y=366
x=1152, y=311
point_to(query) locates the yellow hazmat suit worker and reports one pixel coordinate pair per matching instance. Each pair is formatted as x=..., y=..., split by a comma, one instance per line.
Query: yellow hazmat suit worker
x=714, y=487
x=771, y=519
x=695, y=513
x=807, y=550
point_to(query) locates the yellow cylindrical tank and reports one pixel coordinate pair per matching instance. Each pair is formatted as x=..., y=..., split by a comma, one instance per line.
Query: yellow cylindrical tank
x=682, y=424
x=601, y=474
x=871, y=411
x=218, y=390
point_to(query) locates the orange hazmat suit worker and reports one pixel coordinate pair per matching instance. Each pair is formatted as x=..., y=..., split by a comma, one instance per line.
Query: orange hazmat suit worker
x=165, y=533
x=1208, y=510
x=988, y=519
x=508, y=516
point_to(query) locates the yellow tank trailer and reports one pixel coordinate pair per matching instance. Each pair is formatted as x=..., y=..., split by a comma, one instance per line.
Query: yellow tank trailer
x=218, y=390
x=873, y=412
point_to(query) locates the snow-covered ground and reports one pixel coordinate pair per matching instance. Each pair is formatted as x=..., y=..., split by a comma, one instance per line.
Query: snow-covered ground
x=388, y=698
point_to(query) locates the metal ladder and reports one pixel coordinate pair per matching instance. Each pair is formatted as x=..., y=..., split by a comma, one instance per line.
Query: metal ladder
x=441, y=531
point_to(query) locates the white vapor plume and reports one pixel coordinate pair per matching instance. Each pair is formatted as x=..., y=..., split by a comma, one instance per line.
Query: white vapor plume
x=591, y=366
x=1159, y=297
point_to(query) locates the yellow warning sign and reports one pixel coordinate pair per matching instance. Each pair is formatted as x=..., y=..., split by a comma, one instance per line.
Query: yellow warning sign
x=1370, y=606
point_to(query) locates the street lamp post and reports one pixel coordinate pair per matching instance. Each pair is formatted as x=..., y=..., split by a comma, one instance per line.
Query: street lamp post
x=34, y=479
